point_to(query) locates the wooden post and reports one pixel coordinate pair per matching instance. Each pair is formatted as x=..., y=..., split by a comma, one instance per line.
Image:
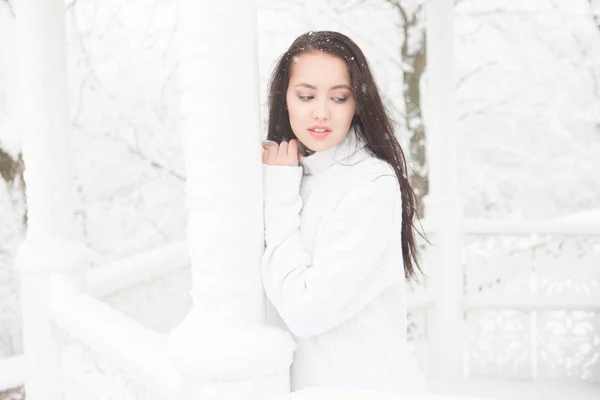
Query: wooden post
x=224, y=338
x=442, y=205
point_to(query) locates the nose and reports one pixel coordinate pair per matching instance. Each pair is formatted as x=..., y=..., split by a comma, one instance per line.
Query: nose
x=321, y=110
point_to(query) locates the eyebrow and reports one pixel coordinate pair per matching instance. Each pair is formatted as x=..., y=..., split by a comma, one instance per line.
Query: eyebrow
x=343, y=86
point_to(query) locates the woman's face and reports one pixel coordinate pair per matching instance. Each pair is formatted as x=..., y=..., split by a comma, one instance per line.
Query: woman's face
x=319, y=100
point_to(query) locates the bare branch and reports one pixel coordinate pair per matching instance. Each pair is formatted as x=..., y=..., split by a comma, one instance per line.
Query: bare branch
x=365, y=39
x=135, y=150
x=9, y=6
x=595, y=10
x=473, y=72
x=348, y=5
x=499, y=101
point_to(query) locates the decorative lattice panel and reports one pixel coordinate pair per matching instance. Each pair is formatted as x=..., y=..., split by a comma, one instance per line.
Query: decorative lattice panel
x=535, y=342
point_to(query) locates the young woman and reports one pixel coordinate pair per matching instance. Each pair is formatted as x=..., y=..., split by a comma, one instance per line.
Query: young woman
x=338, y=220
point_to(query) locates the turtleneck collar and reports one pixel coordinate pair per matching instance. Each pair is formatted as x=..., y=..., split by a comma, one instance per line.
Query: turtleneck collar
x=349, y=151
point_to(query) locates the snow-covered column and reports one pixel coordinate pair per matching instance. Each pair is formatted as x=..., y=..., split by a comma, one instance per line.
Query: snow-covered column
x=442, y=205
x=7, y=82
x=222, y=346
x=51, y=244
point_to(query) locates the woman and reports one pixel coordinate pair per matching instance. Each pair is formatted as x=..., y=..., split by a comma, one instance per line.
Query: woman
x=338, y=220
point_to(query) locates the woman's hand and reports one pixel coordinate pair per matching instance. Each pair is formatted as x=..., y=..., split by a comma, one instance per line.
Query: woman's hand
x=282, y=154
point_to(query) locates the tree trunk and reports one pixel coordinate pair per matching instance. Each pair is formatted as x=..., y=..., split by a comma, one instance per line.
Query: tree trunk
x=415, y=58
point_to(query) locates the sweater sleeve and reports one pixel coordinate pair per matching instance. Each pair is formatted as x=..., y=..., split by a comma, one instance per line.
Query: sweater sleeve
x=357, y=252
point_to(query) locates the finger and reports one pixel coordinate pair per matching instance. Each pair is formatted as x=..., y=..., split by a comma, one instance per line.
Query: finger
x=283, y=149
x=273, y=153
x=268, y=143
x=265, y=156
x=293, y=148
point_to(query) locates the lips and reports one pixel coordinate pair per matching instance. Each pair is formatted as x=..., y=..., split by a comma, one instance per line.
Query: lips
x=319, y=131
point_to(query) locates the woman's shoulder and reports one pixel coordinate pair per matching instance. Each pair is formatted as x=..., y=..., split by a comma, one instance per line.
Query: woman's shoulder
x=360, y=176
x=369, y=168
x=374, y=165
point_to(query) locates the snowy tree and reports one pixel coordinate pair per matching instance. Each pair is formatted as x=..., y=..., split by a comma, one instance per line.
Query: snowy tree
x=124, y=96
x=13, y=215
x=414, y=61
x=528, y=114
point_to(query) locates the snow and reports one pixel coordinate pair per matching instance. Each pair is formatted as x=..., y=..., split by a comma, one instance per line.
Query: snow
x=511, y=390
x=229, y=352
x=137, y=350
x=338, y=394
x=10, y=140
x=585, y=216
x=12, y=372
x=145, y=266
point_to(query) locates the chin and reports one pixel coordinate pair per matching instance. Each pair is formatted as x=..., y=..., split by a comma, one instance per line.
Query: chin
x=319, y=145
x=323, y=144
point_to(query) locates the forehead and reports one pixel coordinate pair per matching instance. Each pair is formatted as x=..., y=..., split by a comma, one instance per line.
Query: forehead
x=319, y=68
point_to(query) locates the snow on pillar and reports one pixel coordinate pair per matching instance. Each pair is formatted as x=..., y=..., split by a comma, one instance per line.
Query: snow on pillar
x=50, y=245
x=9, y=136
x=442, y=205
x=223, y=338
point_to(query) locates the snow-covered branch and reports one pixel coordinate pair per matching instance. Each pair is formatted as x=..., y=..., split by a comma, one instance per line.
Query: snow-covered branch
x=134, y=148
x=8, y=5
x=595, y=11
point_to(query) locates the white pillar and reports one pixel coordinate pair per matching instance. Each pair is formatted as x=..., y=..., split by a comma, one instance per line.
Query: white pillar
x=8, y=80
x=442, y=205
x=224, y=338
x=51, y=244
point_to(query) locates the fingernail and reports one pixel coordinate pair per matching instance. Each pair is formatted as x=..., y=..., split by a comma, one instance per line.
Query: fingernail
x=268, y=142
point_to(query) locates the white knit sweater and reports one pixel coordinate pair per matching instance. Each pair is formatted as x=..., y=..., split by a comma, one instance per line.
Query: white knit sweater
x=333, y=270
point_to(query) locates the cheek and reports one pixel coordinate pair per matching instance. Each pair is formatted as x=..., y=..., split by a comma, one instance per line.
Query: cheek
x=296, y=109
x=349, y=109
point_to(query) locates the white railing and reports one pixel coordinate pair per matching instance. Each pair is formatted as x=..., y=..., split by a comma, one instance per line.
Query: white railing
x=517, y=277
x=531, y=299
x=138, y=355
x=137, y=269
x=533, y=291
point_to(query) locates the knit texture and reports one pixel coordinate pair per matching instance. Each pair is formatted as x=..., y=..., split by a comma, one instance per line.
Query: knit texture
x=333, y=270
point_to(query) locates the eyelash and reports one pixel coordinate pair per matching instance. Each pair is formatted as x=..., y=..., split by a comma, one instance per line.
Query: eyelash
x=338, y=100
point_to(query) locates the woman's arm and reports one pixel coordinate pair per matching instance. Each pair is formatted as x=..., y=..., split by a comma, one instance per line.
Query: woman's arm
x=357, y=254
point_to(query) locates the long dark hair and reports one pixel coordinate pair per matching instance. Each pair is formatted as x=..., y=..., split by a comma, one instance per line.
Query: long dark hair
x=371, y=122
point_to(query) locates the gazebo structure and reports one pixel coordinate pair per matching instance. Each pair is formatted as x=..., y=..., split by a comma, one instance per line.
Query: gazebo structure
x=77, y=346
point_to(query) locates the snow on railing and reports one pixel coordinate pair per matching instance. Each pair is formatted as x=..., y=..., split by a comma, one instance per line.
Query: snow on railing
x=339, y=394
x=136, y=269
x=12, y=370
x=531, y=298
x=153, y=288
x=139, y=353
x=518, y=276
